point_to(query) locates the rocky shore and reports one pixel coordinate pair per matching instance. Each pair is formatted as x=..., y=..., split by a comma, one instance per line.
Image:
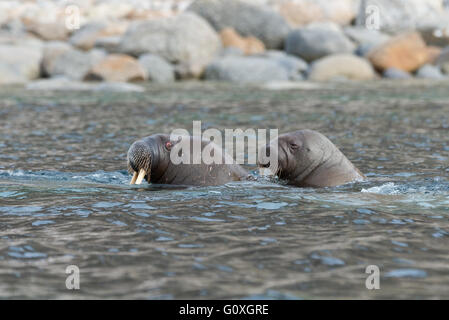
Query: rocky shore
x=57, y=44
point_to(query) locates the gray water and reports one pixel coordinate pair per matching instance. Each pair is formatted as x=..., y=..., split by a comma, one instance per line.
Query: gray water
x=65, y=198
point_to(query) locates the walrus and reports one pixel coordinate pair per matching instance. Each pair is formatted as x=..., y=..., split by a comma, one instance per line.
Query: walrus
x=306, y=158
x=149, y=158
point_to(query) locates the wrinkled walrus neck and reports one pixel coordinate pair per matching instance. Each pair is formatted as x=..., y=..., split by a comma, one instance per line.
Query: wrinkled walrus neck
x=331, y=172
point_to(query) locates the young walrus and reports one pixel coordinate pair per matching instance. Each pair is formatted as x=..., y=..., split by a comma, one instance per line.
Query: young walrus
x=306, y=158
x=151, y=158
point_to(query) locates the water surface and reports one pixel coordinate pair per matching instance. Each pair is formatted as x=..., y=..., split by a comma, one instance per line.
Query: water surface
x=65, y=198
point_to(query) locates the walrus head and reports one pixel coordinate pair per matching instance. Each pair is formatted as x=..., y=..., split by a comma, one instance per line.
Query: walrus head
x=308, y=158
x=147, y=156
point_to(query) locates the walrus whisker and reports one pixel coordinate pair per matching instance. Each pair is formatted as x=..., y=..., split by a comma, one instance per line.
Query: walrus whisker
x=140, y=176
x=133, y=179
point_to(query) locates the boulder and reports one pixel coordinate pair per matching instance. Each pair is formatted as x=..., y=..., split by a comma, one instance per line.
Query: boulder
x=317, y=41
x=366, y=37
x=19, y=64
x=246, y=70
x=117, y=68
x=406, y=52
x=338, y=66
x=249, y=45
x=109, y=44
x=157, y=68
x=443, y=60
x=302, y=12
x=397, y=16
x=393, y=73
x=429, y=71
x=187, y=41
x=296, y=67
x=73, y=64
x=47, y=30
x=86, y=37
x=51, y=51
x=247, y=19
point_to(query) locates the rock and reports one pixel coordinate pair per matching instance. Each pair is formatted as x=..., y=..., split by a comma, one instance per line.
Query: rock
x=117, y=68
x=341, y=66
x=73, y=64
x=436, y=36
x=19, y=64
x=187, y=41
x=86, y=37
x=64, y=84
x=434, y=53
x=364, y=36
x=249, y=45
x=51, y=51
x=406, y=52
x=397, y=16
x=393, y=73
x=109, y=44
x=157, y=69
x=261, y=22
x=429, y=71
x=443, y=60
x=231, y=51
x=316, y=41
x=245, y=70
x=296, y=67
x=302, y=12
x=47, y=31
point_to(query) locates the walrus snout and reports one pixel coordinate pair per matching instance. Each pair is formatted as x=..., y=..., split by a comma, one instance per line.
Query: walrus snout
x=139, y=161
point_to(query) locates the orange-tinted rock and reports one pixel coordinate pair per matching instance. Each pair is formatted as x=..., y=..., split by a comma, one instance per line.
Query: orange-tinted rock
x=406, y=52
x=301, y=13
x=117, y=67
x=249, y=45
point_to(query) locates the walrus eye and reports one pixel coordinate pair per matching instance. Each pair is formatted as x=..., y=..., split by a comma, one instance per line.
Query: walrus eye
x=168, y=145
x=294, y=146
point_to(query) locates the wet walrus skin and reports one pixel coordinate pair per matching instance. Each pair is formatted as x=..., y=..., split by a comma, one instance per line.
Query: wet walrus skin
x=149, y=158
x=306, y=158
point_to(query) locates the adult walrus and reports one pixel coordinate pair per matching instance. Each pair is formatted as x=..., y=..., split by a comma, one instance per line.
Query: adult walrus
x=150, y=158
x=306, y=158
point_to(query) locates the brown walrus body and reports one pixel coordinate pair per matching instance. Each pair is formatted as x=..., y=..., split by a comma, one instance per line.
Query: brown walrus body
x=149, y=158
x=306, y=158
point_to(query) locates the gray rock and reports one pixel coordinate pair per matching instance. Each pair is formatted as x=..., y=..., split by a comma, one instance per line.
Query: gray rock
x=315, y=42
x=364, y=36
x=158, y=69
x=231, y=51
x=341, y=66
x=246, y=70
x=74, y=64
x=247, y=19
x=19, y=64
x=85, y=37
x=110, y=44
x=397, y=16
x=443, y=60
x=429, y=71
x=187, y=41
x=393, y=73
x=296, y=67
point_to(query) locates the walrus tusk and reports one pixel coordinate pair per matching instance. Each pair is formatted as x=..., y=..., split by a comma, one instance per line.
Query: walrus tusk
x=141, y=176
x=133, y=180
